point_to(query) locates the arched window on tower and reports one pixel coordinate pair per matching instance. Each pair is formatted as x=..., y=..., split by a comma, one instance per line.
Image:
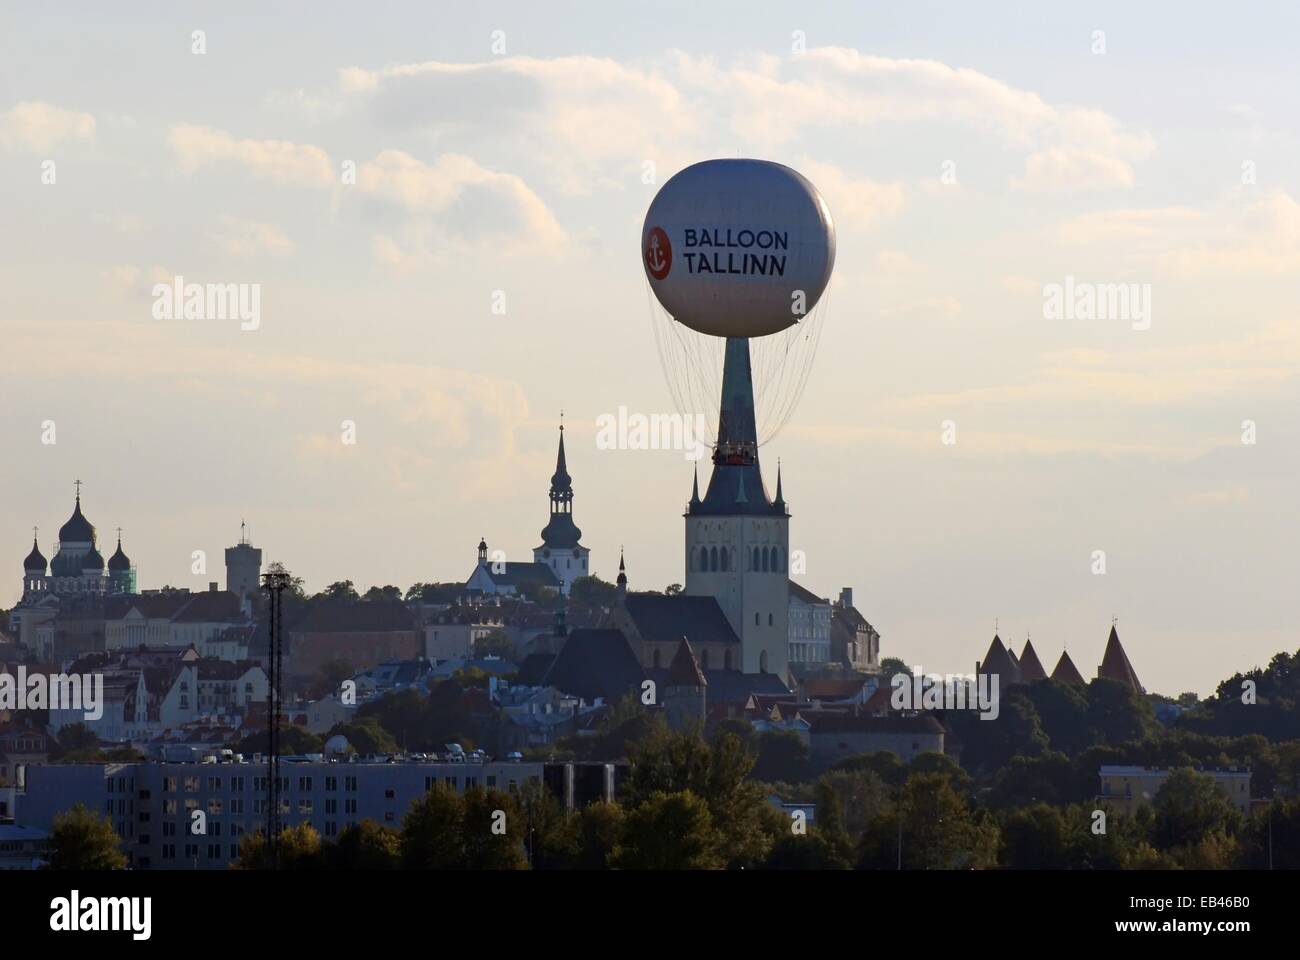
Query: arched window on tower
x=776, y=559
x=725, y=564
x=756, y=561
x=764, y=560
x=713, y=558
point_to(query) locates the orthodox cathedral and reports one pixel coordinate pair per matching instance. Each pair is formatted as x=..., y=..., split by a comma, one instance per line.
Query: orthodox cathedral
x=78, y=569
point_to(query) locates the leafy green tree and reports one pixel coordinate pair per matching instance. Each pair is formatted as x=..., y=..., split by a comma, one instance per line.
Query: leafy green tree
x=813, y=851
x=892, y=666
x=496, y=643
x=553, y=835
x=1035, y=838
x=365, y=736
x=670, y=831
x=329, y=679
x=365, y=846
x=81, y=840
x=299, y=848
x=848, y=800
x=673, y=590
x=1118, y=713
x=887, y=766
x=433, y=833
x=942, y=764
x=294, y=740
x=494, y=831
x=675, y=761
x=939, y=831
x=1272, y=838
x=389, y=594
x=592, y=592
x=339, y=590
x=1189, y=807
x=782, y=755
x=600, y=836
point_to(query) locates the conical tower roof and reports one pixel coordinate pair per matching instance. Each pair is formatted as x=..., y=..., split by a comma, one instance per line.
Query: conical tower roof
x=1066, y=672
x=684, y=671
x=1031, y=668
x=998, y=661
x=1115, y=665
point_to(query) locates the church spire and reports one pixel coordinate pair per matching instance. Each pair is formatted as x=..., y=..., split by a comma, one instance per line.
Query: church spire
x=561, y=533
x=622, y=576
x=736, y=485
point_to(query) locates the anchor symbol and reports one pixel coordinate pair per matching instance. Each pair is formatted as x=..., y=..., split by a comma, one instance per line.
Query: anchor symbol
x=658, y=254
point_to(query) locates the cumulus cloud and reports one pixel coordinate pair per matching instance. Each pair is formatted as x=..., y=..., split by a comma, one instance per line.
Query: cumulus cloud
x=278, y=160
x=40, y=126
x=594, y=120
x=471, y=202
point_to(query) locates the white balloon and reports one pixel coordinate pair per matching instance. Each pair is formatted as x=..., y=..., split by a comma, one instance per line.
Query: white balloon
x=738, y=248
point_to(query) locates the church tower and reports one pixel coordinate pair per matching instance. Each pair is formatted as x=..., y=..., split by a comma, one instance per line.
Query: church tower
x=737, y=538
x=560, y=549
x=244, y=570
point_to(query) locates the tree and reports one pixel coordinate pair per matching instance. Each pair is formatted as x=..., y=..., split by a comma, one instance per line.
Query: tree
x=782, y=755
x=293, y=740
x=494, y=831
x=365, y=846
x=495, y=643
x=592, y=592
x=295, y=585
x=366, y=736
x=939, y=832
x=1189, y=807
x=1035, y=838
x=887, y=766
x=298, y=848
x=892, y=666
x=329, y=678
x=433, y=833
x=812, y=851
x=339, y=590
x=388, y=594
x=851, y=799
x=673, y=590
x=670, y=831
x=600, y=834
x=82, y=840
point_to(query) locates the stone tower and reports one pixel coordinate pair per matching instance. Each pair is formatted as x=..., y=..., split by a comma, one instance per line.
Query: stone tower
x=737, y=537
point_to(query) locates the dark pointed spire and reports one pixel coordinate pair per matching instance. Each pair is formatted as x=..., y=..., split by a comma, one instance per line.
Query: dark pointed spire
x=560, y=532
x=780, y=498
x=695, y=486
x=621, y=582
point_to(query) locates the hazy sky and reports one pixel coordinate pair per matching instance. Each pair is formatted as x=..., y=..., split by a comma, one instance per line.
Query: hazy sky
x=1171, y=159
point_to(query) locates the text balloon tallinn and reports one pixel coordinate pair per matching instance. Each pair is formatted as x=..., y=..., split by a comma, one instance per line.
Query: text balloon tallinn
x=738, y=248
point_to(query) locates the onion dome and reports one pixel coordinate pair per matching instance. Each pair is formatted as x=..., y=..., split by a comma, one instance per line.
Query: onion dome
x=78, y=529
x=119, y=561
x=92, y=560
x=35, y=562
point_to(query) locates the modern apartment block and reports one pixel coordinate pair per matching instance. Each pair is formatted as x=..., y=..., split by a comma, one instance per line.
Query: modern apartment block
x=151, y=804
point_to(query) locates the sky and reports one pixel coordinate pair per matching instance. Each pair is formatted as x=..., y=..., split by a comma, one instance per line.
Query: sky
x=441, y=209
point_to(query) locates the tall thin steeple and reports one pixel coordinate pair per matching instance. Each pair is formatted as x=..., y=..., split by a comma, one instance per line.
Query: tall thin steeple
x=560, y=532
x=736, y=486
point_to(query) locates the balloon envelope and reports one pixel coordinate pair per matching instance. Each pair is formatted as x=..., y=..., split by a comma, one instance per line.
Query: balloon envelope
x=738, y=248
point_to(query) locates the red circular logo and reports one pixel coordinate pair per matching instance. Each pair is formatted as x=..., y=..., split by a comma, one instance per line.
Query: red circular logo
x=658, y=254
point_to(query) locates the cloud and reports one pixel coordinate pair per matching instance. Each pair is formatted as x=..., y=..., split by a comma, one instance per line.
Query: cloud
x=1245, y=234
x=40, y=126
x=467, y=202
x=278, y=160
x=248, y=238
x=593, y=121
x=854, y=201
